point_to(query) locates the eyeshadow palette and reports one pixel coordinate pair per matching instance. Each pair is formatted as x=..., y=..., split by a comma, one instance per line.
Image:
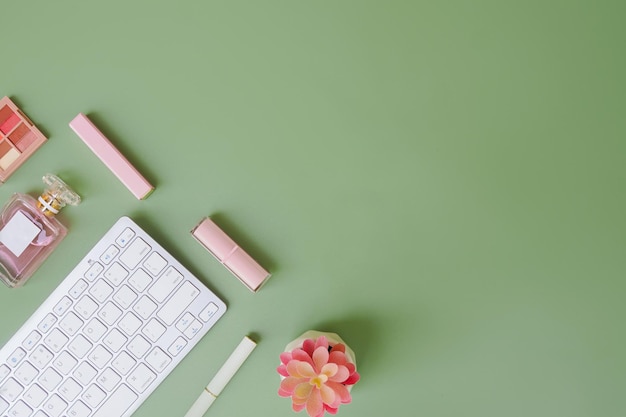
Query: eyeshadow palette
x=19, y=138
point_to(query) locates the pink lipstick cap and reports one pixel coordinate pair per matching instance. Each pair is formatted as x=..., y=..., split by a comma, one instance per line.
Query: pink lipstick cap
x=229, y=254
x=111, y=157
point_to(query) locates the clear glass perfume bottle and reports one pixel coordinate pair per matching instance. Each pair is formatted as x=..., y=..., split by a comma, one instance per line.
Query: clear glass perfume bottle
x=29, y=232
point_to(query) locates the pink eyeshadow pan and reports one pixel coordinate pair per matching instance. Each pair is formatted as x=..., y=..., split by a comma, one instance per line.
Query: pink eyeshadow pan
x=10, y=123
x=5, y=113
x=25, y=141
x=5, y=147
x=18, y=134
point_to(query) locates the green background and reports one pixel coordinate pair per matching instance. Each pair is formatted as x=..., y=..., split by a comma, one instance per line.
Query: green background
x=439, y=182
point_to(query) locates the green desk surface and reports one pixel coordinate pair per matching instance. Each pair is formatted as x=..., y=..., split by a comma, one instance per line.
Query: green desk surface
x=441, y=183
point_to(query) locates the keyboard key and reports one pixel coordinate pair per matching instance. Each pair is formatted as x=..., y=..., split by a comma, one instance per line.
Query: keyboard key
x=11, y=389
x=117, y=403
x=79, y=409
x=95, y=330
x=141, y=378
x=78, y=288
x=123, y=363
x=16, y=357
x=145, y=307
x=55, y=340
x=101, y=291
x=130, y=324
x=70, y=389
x=184, y=322
x=116, y=274
x=108, y=379
x=50, y=379
x=158, y=359
x=177, y=347
x=47, y=323
x=84, y=373
x=64, y=363
x=110, y=313
x=93, y=396
x=62, y=306
x=165, y=285
x=208, y=312
x=178, y=303
x=115, y=340
x=54, y=406
x=125, y=237
x=193, y=329
x=26, y=373
x=79, y=346
x=135, y=252
x=139, y=346
x=94, y=271
x=70, y=324
x=20, y=409
x=31, y=340
x=109, y=254
x=154, y=330
x=86, y=307
x=41, y=357
x=100, y=356
x=140, y=280
x=125, y=297
x=3, y=405
x=155, y=264
x=35, y=395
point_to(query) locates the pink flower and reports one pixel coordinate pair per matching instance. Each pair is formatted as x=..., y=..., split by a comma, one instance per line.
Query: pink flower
x=317, y=376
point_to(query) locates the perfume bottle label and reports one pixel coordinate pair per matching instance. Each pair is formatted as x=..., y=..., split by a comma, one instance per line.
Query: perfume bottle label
x=18, y=233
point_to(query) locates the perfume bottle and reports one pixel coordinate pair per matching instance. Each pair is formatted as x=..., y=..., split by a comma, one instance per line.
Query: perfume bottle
x=29, y=232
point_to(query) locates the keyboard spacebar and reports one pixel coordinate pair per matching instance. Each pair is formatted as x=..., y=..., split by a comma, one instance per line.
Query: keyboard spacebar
x=117, y=403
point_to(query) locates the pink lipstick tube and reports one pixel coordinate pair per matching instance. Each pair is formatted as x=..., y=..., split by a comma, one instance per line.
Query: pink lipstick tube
x=229, y=254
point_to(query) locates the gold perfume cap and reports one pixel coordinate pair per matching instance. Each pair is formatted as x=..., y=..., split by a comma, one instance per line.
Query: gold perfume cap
x=56, y=196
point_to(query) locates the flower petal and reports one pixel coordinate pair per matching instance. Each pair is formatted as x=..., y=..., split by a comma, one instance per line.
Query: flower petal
x=283, y=393
x=330, y=369
x=341, y=375
x=321, y=341
x=314, y=405
x=337, y=357
x=351, y=367
x=301, y=355
x=308, y=346
x=352, y=379
x=290, y=383
x=330, y=410
x=303, y=390
x=298, y=407
x=328, y=395
x=285, y=357
x=320, y=358
x=305, y=369
x=339, y=347
x=341, y=391
x=282, y=369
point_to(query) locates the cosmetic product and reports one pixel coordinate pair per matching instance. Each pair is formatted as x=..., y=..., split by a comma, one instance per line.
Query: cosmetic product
x=111, y=157
x=19, y=138
x=229, y=254
x=223, y=376
x=29, y=232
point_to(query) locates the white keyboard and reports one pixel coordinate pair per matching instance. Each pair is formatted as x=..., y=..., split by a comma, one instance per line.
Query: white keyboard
x=109, y=334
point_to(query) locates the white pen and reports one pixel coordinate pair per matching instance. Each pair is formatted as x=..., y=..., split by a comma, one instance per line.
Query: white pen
x=221, y=378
